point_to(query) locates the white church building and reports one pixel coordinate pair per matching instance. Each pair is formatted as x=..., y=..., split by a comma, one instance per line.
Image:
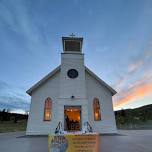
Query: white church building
x=71, y=94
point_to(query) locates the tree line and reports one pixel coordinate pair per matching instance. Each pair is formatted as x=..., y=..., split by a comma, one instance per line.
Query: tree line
x=6, y=115
x=133, y=117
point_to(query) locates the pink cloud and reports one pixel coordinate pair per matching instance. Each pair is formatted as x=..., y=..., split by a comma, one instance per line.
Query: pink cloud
x=136, y=91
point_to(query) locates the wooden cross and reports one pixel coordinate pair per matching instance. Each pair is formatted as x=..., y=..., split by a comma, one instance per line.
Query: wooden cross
x=72, y=35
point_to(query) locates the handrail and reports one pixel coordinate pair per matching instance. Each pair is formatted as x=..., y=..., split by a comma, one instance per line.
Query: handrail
x=58, y=128
x=89, y=127
x=86, y=127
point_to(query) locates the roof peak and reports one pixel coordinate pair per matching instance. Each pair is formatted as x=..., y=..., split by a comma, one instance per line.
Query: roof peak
x=44, y=79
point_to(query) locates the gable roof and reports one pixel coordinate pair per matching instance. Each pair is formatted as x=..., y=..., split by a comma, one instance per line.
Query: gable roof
x=101, y=81
x=49, y=75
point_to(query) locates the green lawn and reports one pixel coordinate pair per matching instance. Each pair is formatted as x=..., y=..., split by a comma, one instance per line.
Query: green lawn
x=10, y=126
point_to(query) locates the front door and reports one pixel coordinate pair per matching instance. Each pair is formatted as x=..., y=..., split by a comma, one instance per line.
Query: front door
x=72, y=118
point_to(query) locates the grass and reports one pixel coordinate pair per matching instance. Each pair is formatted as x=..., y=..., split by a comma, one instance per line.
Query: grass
x=10, y=126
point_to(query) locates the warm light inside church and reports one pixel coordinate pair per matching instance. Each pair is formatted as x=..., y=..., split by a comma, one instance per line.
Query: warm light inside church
x=72, y=118
x=47, y=109
x=47, y=115
x=96, y=115
x=96, y=108
x=73, y=114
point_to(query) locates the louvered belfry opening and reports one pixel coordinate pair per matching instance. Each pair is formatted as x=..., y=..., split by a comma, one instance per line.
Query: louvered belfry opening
x=72, y=44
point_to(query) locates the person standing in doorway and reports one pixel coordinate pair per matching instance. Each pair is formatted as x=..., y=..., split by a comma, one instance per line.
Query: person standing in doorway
x=67, y=122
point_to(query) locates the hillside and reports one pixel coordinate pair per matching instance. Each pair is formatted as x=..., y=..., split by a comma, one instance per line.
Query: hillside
x=11, y=122
x=138, y=118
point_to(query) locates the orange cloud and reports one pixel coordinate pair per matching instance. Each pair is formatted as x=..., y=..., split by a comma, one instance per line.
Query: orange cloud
x=133, y=94
x=129, y=92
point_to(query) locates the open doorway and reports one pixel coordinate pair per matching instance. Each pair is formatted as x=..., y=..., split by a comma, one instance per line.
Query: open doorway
x=72, y=118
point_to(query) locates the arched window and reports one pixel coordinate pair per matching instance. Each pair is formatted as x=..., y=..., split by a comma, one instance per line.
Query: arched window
x=47, y=109
x=96, y=109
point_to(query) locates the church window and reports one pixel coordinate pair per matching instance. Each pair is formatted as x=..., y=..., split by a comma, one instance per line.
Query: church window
x=47, y=109
x=72, y=73
x=96, y=109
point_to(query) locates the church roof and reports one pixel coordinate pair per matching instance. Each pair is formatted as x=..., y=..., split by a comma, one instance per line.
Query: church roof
x=101, y=81
x=49, y=75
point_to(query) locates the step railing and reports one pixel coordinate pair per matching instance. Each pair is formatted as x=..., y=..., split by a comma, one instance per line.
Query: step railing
x=59, y=129
x=87, y=127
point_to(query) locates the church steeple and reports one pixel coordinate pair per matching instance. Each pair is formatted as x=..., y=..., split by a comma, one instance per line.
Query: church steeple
x=72, y=44
x=72, y=71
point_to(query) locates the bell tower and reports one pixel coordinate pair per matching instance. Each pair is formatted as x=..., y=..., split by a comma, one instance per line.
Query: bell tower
x=72, y=68
x=72, y=76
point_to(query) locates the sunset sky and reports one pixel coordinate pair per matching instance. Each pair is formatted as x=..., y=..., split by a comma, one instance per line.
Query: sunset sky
x=117, y=46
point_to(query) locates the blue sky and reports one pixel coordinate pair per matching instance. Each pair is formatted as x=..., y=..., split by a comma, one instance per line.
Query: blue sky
x=117, y=45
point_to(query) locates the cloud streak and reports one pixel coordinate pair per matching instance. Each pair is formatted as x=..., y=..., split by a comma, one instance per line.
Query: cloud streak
x=12, y=97
x=135, y=66
x=136, y=83
x=136, y=92
x=23, y=25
